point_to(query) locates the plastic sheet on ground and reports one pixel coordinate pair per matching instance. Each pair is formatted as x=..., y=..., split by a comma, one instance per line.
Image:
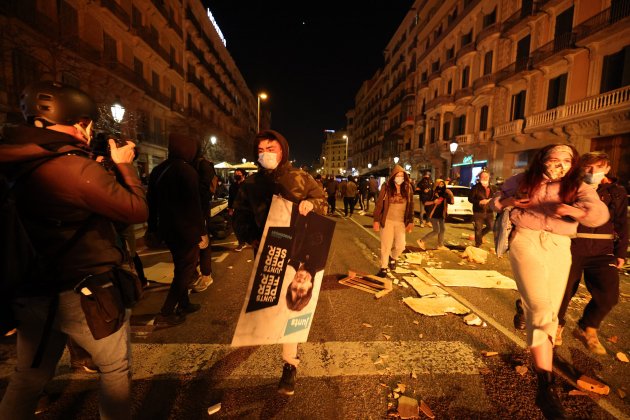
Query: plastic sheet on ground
x=485, y=279
x=436, y=306
x=161, y=273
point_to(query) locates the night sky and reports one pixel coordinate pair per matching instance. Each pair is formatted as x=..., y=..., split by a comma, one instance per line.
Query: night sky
x=310, y=57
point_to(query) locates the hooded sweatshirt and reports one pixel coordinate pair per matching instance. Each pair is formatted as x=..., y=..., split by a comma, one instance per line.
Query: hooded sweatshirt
x=253, y=200
x=173, y=194
x=385, y=196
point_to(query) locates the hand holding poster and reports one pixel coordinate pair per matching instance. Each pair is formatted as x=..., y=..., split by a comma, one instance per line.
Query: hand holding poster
x=285, y=282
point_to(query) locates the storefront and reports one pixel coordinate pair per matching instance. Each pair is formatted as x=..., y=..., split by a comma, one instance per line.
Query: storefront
x=467, y=171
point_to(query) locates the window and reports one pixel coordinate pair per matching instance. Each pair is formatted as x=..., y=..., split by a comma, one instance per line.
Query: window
x=155, y=81
x=432, y=135
x=487, y=63
x=616, y=70
x=450, y=53
x=483, y=118
x=68, y=20
x=423, y=77
x=452, y=17
x=557, y=91
x=446, y=130
x=465, y=77
x=449, y=87
x=517, y=111
x=109, y=48
x=522, y=53
x=459, y=126
x=467, y=38
x=25, y=70
x=435, y=66
x=136, y=17
x=490, y=18
x=173, y=95
x=138, y=67
x=421, y=140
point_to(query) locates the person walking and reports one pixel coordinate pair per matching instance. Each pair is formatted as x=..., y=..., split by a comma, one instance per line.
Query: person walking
x=68, y=206
x=548, y=201
x=331, y=191
x=208, y=181
x=424, y=188
x=393, y=217
x=437, y=207
x=251, y=208
x=372, y=192
x=363, y=195
x=239, y=178
x=175, y=211
x=597, y=253
x=349, y=196
x=483, y=216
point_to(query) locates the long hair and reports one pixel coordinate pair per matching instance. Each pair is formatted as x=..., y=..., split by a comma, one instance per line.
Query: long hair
x=534, y=175
x=404, y=187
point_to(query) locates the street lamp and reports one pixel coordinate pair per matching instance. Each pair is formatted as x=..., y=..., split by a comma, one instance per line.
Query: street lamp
x=263, y=96
x=118, y=111
x=244, y=160
x=396, y=159
x=453, y=145
x=369, y=166
x=213, y=140
x=345, y=137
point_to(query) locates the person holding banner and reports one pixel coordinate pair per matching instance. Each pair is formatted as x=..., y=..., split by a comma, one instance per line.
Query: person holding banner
x=393, y=216
x=251, y=208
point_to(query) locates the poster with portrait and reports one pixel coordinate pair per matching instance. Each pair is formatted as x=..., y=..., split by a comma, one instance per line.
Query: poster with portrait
x=284, y=285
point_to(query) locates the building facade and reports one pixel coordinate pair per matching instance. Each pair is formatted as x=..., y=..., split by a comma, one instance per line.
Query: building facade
x=164, y=61
x=333, y=160
x=499, y=78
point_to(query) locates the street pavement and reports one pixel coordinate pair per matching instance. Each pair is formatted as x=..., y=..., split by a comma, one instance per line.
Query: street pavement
x=359, y=349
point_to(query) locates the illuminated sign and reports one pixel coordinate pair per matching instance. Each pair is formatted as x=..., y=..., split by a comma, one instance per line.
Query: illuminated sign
x=216, y=26
x=468, y=160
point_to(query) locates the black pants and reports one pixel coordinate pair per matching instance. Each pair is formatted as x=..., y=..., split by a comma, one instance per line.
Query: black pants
x=332, y=204
x=602, y=281
x=348, y=203
x=483, y=223
x=369, y=197
x=185, y=258
x=358, y=199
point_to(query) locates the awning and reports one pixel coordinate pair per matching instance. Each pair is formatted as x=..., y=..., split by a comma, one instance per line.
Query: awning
x=246, y=165
x=224, y=165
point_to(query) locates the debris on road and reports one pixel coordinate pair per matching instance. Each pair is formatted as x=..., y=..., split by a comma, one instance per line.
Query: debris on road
x=489, y=353
x=387, y=337
x=485, y=279
x=424, y=289
x=621, y=393
x=521, y=370
x=368, y=283
x=473, y=320
x=407, y=407
x=413, y=257
x=400, y=270
x=622, y=357
x=436, y=306
x=474, y=254
x=366, y=325
x=426, y=410
x=613, y=339
x=589, y=384
x=577, y=392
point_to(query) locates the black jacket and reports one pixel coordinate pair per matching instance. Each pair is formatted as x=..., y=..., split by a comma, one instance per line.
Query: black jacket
x=616, y=199
x=478, y=193
x=58, y=197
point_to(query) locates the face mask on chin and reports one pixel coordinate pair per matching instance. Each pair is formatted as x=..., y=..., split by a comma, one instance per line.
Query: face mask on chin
x=594, y=178
x=556, y=171
x=268, y=160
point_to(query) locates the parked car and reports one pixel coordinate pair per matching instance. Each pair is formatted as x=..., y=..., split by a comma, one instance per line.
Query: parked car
x=461, y=209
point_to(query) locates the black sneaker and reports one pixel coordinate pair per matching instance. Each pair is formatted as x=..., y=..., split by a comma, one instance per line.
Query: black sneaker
x=286, y=386
x=169, y=320
x=189, y=309
x=519, y=317
x=392, y=263
x=382, y=272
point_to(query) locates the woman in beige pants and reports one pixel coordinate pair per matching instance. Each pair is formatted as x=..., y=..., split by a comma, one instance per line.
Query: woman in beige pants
x=548, y=200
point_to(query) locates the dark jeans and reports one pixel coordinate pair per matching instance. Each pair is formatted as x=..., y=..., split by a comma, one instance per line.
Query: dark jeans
x=185, y=258
x=348, y=202
x=479, y=220
x=359, y=199
x=332, y=204
x=602, y=281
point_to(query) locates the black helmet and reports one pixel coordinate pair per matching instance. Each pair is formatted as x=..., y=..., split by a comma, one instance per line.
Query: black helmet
x=56, y=103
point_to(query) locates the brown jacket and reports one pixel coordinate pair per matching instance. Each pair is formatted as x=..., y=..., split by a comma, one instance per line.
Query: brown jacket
x=382, y=202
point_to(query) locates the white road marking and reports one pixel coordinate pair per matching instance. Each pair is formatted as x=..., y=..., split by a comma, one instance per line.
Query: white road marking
x=220, y=258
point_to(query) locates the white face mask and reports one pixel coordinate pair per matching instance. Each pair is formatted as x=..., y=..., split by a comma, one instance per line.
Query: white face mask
x=556, y=170
x=485, y=183
x=268, y=160
x=399, y=180
x=594, y=178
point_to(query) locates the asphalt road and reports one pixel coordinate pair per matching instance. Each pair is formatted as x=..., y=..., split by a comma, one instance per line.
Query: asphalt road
x=348, y=369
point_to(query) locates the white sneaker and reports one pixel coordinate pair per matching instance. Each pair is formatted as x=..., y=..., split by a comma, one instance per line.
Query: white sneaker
x=203, y=283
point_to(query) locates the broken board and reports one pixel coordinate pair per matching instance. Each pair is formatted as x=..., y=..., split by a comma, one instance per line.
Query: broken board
x=368, y=283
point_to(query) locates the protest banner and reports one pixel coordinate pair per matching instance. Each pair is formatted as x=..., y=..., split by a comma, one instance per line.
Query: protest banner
x=288, y=270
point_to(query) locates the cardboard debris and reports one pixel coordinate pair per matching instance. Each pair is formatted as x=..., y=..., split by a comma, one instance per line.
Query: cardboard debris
x=400, y=270
x=489, y=353
x=396, y=281
x=160, y=273
x=396, y=395
x=414, y=257
x=415, y=376
x=368, y=283
x=400, y=388
x=521, y=370
x=407, y=407
x=613, y=339
x=485, y=279
x=622, y=357
x=436, y=306
x=621, y=393
x=577, y=392
x=474, y=254
x=421, y=335
x=366, y=325
x=472, y=319
x=387, y=337
x=405, y=285
x=423, y=288
x=426, y=410
x=416, y=322
x=593, y=385
x=422, y=275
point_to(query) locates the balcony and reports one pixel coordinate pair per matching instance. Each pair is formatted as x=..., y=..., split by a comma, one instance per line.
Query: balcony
x=159, y=4
x=423, y=84
x=489, y=80
x=175, y=66
x=488, y=31
x=519, y=19
x=464, y=139
x=407, y=122
x=152, y=41
x=603, y=21
x=484, y=137
x=451, y=62
x=117, y=11
x=466, y=49
x=440, y=100
x=521, y=64
x=581, y=110
x=511, y=128
x=436, y=74
x=464, y=93
x=550, y=49
x=155, y=93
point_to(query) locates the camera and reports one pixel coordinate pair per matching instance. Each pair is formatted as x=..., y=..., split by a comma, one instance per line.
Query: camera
x=100, y=144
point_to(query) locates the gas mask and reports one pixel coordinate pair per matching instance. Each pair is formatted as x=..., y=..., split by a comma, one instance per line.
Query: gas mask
x=556, y=170
x=594, y=178
x=268, y=160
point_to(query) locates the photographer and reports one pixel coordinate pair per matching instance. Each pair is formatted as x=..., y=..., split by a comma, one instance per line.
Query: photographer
x=67, y=205
x=437, y=208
